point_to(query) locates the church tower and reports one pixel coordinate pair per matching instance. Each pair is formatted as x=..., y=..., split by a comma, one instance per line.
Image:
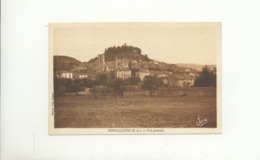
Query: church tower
x=101, y=59
x=116, y=61
x=101, y=62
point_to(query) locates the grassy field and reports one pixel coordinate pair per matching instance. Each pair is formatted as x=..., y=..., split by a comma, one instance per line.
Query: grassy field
x=134, y=112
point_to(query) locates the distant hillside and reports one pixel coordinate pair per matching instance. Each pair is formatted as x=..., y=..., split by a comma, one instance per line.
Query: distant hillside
x=194, y=66
x=124, y=51
x=121, y=52
x=65, y=63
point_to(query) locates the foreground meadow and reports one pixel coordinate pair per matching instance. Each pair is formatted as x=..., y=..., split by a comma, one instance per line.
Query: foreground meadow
x=134, y=112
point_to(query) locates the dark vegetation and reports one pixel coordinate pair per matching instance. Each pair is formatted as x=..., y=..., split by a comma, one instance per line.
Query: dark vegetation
x=151, y=84
x=105, y=85
x=206, y=78
x=68, y=85
x=124, y=51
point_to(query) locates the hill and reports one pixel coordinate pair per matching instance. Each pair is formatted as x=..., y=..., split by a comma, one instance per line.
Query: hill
x=124, y=51
x=121, y=52
x=65, y=63
x=197, y=67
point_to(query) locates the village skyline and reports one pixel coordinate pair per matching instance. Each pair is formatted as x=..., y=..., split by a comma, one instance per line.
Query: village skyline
x=127, y=63
x=163, y=42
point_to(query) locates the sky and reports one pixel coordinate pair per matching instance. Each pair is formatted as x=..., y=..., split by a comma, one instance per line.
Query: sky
x=194, y=43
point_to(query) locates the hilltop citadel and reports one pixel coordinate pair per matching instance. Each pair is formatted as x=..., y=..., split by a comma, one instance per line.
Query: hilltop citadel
x=125, y=62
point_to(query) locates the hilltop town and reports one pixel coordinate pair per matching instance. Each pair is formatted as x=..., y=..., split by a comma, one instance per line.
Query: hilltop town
x=124, y=62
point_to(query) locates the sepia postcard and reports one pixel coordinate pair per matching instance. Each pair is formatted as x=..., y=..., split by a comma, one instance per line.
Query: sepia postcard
x=135, y=78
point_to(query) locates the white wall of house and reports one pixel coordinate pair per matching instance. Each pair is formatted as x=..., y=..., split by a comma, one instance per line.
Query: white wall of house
x=82, y=76
x=143, y=74
x=67, y=75
x=123, y=74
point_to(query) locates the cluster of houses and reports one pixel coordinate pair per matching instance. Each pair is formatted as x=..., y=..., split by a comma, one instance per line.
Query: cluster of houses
x=123, y=68
x=70, y=75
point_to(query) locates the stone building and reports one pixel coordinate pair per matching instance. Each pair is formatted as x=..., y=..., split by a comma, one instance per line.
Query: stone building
x=63, y=74
x=123, y=73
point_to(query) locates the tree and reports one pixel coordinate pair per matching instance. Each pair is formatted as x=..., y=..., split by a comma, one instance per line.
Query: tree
x=133, y=71
x=88, y=82
x=160, y=82
x=150, y=84
x=102, y=79
x=117, y=88
x=133, y=80
x=75, y=86
x=68, y=83
x=206, y=78
x=59, y=86
x=79, y=82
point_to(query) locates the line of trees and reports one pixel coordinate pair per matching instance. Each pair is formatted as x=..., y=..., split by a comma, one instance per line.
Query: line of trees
x=105, y=85
x=107, y=81
x=109, y=85
x=68, y=85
